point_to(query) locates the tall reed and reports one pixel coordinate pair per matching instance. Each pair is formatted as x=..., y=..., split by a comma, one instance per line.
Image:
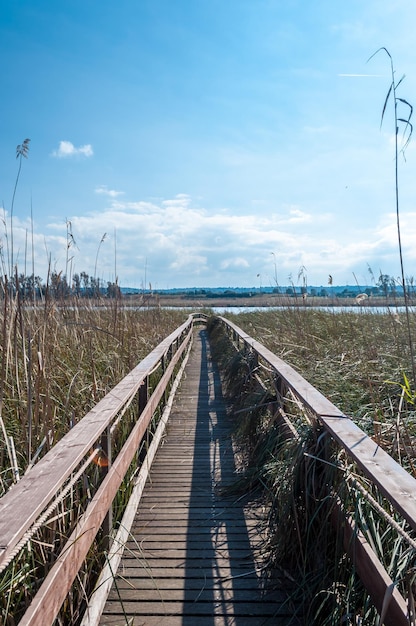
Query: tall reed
x=404, y=123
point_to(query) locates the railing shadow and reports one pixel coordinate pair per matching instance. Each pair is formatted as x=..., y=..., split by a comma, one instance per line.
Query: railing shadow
x=220, y=569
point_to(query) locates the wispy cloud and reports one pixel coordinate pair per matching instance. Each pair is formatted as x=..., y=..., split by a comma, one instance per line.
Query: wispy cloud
x=67, y=149
x=362, y=75
x=111, y=193
x=296, y=215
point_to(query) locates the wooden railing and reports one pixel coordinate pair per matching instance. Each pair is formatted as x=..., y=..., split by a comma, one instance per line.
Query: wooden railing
x=31, y=501
x=390, y=478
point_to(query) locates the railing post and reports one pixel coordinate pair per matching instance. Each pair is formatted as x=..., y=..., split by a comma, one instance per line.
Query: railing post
x=280, y=389
x=105, y=464
x=164, y=362
x=143, y=394
x=143, y=398
x=252, y=359
x=287, y=430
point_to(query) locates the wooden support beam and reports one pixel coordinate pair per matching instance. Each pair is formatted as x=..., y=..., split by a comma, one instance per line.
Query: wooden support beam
x=370, y=570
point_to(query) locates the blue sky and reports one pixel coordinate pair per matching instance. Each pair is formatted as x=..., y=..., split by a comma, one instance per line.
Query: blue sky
x=213, y=142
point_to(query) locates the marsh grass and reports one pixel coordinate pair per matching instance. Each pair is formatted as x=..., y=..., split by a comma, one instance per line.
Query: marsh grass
x=63, y=359
x=59, y=355
x=401, y=122
x=58, y=360
x=360, y=361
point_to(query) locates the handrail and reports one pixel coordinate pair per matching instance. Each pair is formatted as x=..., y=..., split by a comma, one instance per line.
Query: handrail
x=392, y=480
x=396, y=484
x=27, y=500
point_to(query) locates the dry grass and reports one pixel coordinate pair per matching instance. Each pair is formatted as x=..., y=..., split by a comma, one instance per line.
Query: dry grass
x=350, y=358
x=58, y=360
x=358, y=360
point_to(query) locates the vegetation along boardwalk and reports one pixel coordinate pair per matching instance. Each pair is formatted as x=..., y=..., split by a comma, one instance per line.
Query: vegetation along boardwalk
x=193, y=556
x=132, y=516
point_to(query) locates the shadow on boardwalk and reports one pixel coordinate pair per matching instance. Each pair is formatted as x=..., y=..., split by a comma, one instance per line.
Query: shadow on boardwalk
x=193, y=560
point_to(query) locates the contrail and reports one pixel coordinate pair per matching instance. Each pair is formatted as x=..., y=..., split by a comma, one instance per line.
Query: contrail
x=363, y=75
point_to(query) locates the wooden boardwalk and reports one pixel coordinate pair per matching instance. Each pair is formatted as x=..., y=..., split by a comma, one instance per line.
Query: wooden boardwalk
x=194, y=557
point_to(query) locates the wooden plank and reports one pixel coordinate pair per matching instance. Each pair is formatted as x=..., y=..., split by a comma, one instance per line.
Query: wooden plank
x=394, y=482
x=186, y=537
x=193, y=608
x=241, y=566
x=371, y=570
x=198, y=515
x=174, y=583
x=200, y=593
x=240, y=554
x=201, y=620
x=105, y=579
x=172, y=571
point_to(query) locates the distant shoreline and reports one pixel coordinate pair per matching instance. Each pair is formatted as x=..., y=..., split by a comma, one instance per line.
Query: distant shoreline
x=262, y=300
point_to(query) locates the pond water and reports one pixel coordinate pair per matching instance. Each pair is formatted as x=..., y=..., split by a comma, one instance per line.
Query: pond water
x=221, y=310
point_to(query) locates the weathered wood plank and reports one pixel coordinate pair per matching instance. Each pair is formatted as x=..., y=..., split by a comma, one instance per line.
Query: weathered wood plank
x=51, y=595
x=393, y=481
x=175, y=583
x=138, y=570
x=115, y=553
x=200, y=620
x=242, y=595
x=196, y=608
x=48, y=600
x=150, y=541
x=370, y=569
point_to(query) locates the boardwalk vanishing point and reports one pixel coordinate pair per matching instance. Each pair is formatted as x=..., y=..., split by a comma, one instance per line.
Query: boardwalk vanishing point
x=194, y=554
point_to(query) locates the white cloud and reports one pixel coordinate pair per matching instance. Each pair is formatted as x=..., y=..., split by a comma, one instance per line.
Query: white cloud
x=184, y=245
x=67, y=149
x=235, y=262
x=102, y=189
x=187, y=260
x=175, y=243
x=296, y=215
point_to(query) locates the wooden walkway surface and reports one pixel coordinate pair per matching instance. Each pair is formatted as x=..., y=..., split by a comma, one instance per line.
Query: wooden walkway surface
x=193, y=555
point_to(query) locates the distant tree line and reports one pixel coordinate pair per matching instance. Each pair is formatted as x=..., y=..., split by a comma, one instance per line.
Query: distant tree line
x=58, y=286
